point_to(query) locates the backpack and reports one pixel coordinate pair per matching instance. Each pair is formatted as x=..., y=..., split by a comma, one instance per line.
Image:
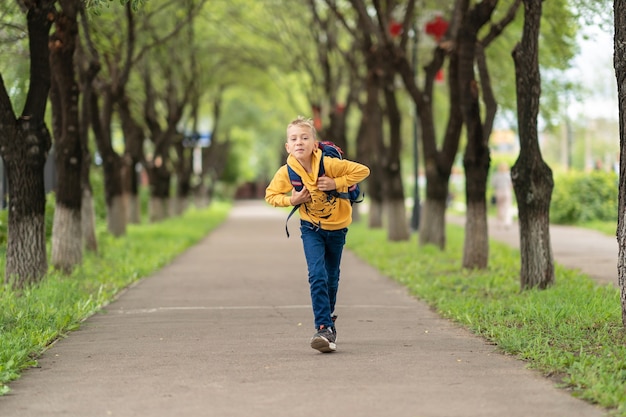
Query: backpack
x=333, y=151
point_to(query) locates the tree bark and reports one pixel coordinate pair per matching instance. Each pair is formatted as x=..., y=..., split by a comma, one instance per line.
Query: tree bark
x=398, y=226
x=184, y=171
x=214, y=160
x=112, y=92
x=369, y=150
x=476, y=159
x=88, y=69
x=66, y=231
x=24, y=146
x=159, y=168
x=379, y=52
x=437, y=161
x=160, y=178
x=532, y=177
x=111, y=164
x=619, y=62
x=133, y=155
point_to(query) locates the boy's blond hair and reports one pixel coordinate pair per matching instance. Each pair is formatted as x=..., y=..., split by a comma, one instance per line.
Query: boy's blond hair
x=304, y=121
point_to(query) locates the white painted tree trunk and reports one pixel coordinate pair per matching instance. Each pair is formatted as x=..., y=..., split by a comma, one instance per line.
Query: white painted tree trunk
x=67, y=242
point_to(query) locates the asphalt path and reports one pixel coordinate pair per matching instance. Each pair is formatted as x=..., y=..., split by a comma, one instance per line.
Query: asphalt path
x=224, y=331
x=589, y=251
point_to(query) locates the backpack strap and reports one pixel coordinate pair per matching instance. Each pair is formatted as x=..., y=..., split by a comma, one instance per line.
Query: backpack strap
x=293, y=210
x=296, y=181
x=322, y=170
x=335, y=193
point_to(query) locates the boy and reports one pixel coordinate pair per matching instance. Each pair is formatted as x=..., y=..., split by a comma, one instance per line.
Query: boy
x=324, y=220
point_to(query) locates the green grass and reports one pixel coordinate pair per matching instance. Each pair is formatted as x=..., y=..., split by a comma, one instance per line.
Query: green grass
x=607, y=228
x=33, y=319
x=571, y=332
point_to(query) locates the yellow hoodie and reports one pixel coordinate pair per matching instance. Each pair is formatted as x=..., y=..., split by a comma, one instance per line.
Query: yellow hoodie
x=329, y=214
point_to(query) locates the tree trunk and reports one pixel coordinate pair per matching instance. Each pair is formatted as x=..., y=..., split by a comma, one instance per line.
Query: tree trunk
x=433, y=222
x=66, y=231
x=337, y=127
x=88, y=68
x=159, y=193
x=117, y=213
x=184, y=170
x=437, y=162
x=158, y=209
x=112, y=92
x=370, y=149
x=88, y=214
x=130, y=186
x=133, y=155
x=111, y=165
x=476, y=159
x=398, y=226
x=26, y=261
x=67, y=247
x=532, y=177
x=133, y=208
x=619, y=62
x=24, y=146
x=213, y=165
x=88, y=221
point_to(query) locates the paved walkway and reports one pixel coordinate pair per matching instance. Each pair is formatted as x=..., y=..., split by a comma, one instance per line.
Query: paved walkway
x=589, y=251
x=224, y=330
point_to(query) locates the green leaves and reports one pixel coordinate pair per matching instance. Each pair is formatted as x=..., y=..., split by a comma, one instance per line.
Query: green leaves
x=583, y=197
x=96, y=5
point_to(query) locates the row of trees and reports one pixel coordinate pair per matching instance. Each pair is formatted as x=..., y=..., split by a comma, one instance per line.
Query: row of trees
x=472, y=29
x=146, y=69
x=82, y=62
x=370, y=41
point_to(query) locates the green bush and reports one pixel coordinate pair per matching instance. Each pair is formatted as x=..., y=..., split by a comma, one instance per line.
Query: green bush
x=583, y=197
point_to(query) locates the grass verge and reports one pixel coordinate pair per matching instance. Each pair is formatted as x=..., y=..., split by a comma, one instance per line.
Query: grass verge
x=33, y=319
x=607, y=228
x=571, y=332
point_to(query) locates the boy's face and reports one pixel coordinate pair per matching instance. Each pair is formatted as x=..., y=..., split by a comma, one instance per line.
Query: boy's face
x=300, y=142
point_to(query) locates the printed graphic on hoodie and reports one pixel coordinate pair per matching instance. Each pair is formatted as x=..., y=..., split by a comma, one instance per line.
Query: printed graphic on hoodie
x=322, y=205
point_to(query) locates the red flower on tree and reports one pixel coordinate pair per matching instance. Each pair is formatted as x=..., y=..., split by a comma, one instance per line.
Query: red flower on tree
x=437, y=28
x=395, y=28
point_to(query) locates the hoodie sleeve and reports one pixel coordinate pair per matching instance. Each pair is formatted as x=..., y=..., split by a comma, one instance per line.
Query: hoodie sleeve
x=276, y=193
x=345, y=172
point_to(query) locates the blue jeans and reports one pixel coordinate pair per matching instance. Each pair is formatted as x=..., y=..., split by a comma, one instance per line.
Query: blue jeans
x=322, y=250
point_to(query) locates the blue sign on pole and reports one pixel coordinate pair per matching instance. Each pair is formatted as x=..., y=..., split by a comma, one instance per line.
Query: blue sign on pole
x=202, y=140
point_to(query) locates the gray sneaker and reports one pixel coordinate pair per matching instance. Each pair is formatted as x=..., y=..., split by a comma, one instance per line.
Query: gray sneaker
x=334, y=328
x=324, y=340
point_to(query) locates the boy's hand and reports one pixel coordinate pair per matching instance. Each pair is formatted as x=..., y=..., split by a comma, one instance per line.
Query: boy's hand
x=325, y=183
x=299, y=197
